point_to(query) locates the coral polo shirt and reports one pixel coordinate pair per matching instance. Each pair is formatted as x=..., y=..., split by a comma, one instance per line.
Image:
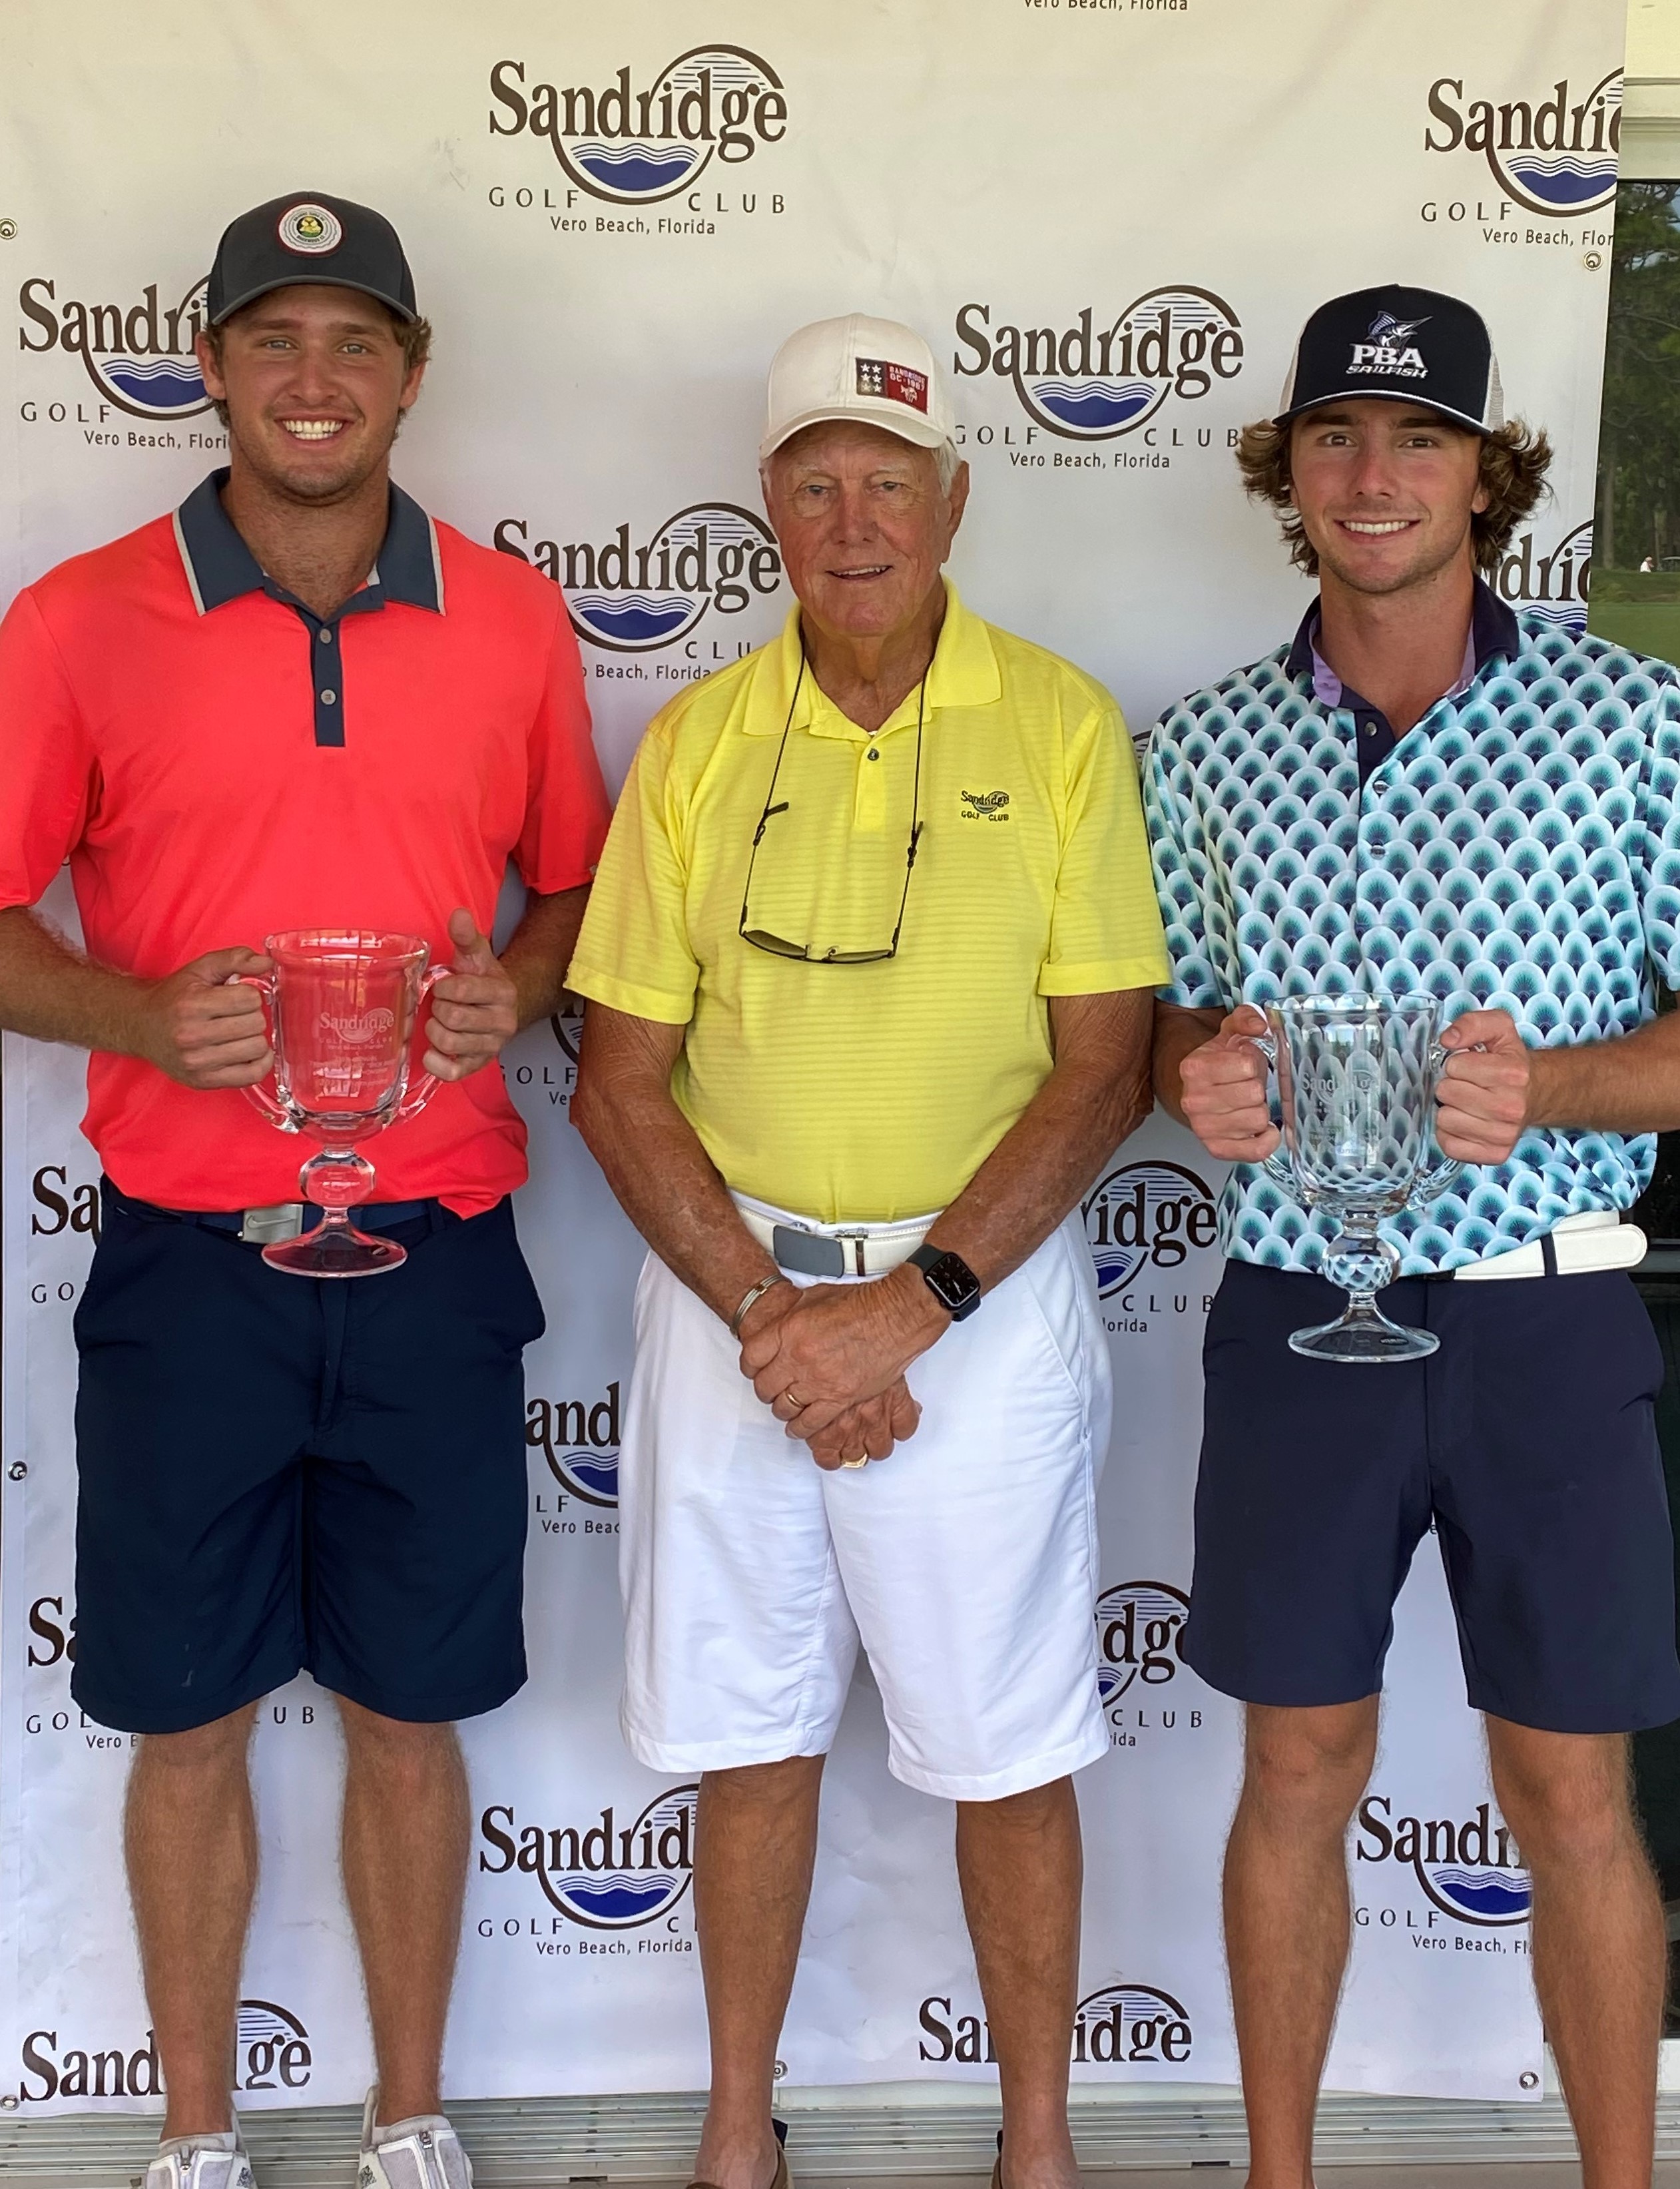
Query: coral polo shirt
x=217, y=764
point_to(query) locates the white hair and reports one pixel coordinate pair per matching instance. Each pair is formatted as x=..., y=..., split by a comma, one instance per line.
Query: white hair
x=946, y=459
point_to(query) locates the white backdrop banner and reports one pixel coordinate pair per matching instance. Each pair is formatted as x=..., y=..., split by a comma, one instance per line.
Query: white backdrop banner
x=1109, y=217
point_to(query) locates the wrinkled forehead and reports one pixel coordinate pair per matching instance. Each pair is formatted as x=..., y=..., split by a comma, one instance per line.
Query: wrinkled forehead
x=848, y=448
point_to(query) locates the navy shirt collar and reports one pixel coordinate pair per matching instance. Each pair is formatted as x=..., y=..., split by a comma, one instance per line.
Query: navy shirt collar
x=220, y=568
x=1493, y=631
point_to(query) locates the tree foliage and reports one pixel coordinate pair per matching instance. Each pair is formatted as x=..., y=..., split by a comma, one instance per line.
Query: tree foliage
x=1639, y=512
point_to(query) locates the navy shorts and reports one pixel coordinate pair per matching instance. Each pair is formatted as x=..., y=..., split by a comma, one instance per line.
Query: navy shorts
x=1529, y=1441
x=281, y=1474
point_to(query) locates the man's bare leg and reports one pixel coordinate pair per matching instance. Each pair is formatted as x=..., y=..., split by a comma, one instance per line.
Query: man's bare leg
x=1599, y=1949
x=405, y=1850
x=1286, y=1918
x=190, y=1837
x=754, y=1848
x=1022, y=1867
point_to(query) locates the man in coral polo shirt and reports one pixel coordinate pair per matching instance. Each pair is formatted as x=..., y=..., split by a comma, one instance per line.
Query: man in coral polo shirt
x=298, y=702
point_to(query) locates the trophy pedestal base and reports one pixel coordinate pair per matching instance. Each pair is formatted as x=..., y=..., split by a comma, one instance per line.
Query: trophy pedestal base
x=1363, y=1339
x=335, y=1250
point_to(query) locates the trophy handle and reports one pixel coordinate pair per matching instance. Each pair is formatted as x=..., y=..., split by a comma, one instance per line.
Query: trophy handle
x=1277, y=1166
x=276, y=1113
x=421, y=1093
x=1432, y=1184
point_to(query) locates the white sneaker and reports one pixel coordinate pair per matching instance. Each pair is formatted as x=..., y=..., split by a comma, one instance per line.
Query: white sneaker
x=200, y=2162
x=422, y=2153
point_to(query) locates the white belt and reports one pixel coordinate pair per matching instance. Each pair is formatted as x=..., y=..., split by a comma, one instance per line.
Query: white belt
x=1578, y=1245
x=832, y=1250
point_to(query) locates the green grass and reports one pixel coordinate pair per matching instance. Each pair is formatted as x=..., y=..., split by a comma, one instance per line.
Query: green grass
x=1647, y=626
x=1635, y=585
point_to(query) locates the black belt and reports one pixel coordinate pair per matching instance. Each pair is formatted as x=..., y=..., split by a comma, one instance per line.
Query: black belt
x=248, y=1223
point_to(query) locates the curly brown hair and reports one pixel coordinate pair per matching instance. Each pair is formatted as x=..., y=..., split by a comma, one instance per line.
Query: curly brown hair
x=414, y=337
x=1515, y=460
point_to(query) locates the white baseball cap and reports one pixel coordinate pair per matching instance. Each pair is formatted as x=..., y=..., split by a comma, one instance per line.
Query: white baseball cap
x=871, y=370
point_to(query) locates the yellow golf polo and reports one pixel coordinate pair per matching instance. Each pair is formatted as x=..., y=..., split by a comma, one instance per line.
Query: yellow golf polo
x=865, y=1091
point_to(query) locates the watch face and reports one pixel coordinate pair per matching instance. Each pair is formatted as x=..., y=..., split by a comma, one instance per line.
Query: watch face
x=952, y=1283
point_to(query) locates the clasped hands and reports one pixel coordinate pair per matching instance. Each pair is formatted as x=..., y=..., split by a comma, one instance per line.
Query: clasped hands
x=828, y=1360
x=1486, y=1099
x=206, y=1028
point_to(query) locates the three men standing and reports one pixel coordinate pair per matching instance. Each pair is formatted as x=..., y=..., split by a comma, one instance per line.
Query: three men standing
x=869, y=965
x=1424, y=793
x=298, y=701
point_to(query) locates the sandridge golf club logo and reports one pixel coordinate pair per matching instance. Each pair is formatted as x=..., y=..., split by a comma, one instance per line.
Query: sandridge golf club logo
x=1120, y=2025
x=1139, y=1628
x=1470, y=1868
x=1147, y=1215
x=1092, y=379
x=1554, y=154
x=604, y=1875
x=272, y=2052
x=580, y=1443
x=1553, y=587
x=139, y=356
x=635, y=146
x=633, y=599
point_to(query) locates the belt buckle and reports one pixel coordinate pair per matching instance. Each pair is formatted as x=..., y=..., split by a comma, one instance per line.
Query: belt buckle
x=858, y=1239
x=263, y=1227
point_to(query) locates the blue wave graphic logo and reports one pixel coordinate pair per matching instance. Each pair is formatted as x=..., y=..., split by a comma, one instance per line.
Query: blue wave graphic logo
x=631, y=600
x=1138, y=1624
x=1093, y=406
x=646, y=1868
x=1564, y=182
x=1091, y=383
x=633, y=620
x=591, y=1475
x=637, y=148
x=1147, y=1215
x=1552, y=586
x=637, y=171
x=1562, y=161
x=146, y=377
x=1482, y=1896
x=155, y=388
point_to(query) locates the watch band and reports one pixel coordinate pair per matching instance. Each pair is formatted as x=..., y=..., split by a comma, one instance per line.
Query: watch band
x=948, y=1277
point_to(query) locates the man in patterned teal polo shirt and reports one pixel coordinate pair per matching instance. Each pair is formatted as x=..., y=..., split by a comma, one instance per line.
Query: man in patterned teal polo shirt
x=1426, y=794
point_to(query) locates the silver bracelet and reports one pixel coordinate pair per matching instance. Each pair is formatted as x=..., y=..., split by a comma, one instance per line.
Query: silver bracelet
x=749, y=1298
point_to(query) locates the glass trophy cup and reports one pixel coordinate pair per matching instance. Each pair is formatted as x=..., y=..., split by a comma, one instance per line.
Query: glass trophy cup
x=342, y=1008
x=1356, y=1082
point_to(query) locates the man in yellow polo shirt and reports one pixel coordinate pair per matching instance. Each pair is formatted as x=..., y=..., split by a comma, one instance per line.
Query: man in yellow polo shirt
x=870, y=958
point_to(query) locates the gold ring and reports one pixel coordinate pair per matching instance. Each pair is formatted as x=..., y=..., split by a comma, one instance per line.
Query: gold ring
x=864, y=1462
x=794, y=1399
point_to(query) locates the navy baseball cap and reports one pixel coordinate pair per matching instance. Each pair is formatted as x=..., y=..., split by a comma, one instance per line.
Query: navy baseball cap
x=1404, y=345
x=309, y=236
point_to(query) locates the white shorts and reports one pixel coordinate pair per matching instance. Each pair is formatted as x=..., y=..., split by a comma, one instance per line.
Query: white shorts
x=966, y=1563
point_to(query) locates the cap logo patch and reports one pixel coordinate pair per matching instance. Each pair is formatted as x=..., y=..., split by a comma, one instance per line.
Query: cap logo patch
x=310, y=229
x=898, y=383
x=1389, y=348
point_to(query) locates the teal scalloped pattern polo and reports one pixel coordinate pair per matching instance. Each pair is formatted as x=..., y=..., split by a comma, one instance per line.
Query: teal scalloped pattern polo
x=1517, y=851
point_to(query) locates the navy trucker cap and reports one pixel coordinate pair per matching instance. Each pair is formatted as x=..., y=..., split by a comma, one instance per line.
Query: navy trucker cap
x=1405, y=345
x=309, y=237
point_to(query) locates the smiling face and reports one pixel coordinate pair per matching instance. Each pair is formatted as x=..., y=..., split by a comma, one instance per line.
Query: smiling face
x=1385, y=491
x=315, y=384
x=863, y=525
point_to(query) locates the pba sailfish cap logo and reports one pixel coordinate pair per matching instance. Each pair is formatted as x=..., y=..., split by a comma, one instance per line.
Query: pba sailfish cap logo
x=1391, y=333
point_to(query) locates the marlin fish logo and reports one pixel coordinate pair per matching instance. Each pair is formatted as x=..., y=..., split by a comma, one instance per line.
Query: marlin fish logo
x=1392, y=333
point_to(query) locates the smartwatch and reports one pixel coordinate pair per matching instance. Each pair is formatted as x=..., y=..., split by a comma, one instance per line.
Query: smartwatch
x=949, y=1279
